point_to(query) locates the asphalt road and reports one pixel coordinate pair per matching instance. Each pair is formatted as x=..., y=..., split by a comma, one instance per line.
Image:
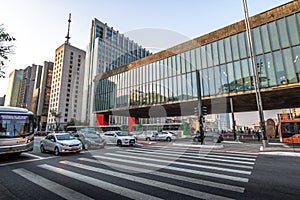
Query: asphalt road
x=150, y=172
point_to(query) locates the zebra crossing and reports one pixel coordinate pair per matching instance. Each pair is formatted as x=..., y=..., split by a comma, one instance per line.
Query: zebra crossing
x=149, y=173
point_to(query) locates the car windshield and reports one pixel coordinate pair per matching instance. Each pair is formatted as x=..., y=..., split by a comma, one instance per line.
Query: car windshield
x=119, y=133
x=64, y=137
x=91, y=135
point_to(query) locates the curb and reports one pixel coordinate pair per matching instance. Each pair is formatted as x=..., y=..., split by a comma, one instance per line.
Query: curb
x=201, y=146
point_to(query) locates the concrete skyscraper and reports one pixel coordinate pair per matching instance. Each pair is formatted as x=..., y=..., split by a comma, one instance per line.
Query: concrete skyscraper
x=14, y=87
x=67, y=84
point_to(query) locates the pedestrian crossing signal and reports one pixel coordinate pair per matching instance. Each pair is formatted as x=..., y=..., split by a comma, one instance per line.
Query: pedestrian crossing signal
x=204, y=110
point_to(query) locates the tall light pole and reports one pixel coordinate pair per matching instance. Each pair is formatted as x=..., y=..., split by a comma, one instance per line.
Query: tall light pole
x=256, y=77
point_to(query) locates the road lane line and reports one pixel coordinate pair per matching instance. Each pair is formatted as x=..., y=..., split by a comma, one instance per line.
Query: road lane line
x=145, y=181
x=196, y=157
x=183, y=164
x=215, y=175
x=56, y=188
x=132, y=194
x=25, y=161
x=167, y=175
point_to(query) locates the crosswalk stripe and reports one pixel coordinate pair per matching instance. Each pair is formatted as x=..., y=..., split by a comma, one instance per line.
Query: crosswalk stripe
x=221, y=176
x=212, y=152
x=58, y=189
x=247, y=154
x=132, y=194
x=208, y=155
x=145, y=181
x=197, y=156
x=173, y=176
x=189, y=160
x=183, y=164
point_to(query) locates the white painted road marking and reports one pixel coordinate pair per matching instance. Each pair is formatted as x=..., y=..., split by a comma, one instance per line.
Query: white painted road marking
x=167, y=175
x=145, y=181
x=132, y=194
x=56, y=188
x=221, y=176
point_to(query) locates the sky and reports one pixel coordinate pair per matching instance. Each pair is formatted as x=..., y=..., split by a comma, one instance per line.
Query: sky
x=40, y=26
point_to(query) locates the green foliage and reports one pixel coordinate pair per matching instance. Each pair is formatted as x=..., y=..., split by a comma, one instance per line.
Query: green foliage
x=75, y=122
x=6, y=48
x=297, y=116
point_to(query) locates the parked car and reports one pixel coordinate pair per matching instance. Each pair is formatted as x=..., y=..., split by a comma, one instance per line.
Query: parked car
x=119, y=138
x=163, y=135
x=144, y=135
x=60, y=143
x=90, y=140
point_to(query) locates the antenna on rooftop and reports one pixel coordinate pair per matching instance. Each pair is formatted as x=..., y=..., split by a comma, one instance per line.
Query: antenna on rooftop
x=68, y=35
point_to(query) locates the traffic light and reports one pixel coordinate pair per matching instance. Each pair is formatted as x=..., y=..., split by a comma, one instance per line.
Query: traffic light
x=204, y=110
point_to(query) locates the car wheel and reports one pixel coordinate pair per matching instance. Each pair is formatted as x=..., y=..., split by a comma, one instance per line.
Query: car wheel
x=168, y=139
x=119, y=143
x=42, y=149
x=56, y=151
x=147, y=139
x=86, y=146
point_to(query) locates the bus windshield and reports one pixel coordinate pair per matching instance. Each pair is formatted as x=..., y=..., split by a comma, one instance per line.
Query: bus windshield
x=15, y=125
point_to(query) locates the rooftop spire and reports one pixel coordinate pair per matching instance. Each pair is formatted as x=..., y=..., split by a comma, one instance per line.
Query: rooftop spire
x=68, y=34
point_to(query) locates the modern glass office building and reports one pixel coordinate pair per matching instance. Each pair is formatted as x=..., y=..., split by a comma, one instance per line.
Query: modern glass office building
x=107, y=50
x=223, y=59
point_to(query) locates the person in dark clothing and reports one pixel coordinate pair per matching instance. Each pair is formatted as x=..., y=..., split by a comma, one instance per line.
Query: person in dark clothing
x=258, y=135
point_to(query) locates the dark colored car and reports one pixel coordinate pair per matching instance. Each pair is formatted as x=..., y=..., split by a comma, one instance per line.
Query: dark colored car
x=90, y=140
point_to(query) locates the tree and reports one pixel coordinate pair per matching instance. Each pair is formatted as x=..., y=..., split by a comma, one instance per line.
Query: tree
x=57, y=116
x=297, y=116
x=6, y=48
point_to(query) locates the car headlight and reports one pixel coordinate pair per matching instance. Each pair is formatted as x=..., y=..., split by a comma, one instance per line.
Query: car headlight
x=62, y=144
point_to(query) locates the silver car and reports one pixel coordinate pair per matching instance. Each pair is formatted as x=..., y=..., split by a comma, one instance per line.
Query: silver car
x=60, y=143
x=164, y=135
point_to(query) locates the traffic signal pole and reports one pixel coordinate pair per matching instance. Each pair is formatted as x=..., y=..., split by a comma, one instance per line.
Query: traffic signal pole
x=200, y=114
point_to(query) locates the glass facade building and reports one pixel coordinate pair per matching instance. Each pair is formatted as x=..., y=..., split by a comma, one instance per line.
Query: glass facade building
x=107, y=50
x=222, y=59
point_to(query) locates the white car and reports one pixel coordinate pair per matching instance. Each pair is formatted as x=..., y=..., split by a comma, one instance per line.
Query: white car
x=60, y=143
x=118, y=137
x=164, y=135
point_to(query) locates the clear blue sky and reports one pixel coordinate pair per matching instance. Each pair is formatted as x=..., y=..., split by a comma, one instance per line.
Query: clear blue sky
x=40, y=26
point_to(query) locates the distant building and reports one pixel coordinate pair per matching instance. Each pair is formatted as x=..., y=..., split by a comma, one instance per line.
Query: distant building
x=30, y=81
x=66, y=87
x=2, y=100
x=41, y=95
x=13, y=88
x=108, y=50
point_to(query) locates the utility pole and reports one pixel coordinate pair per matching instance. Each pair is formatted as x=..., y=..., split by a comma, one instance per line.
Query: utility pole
x=256, y=77
x=233, y=120
x=200, y=113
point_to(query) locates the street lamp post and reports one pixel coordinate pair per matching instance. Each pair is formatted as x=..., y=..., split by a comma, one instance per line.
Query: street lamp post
x=256, y=77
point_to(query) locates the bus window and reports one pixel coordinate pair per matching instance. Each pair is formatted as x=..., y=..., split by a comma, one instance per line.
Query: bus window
x=289, y=131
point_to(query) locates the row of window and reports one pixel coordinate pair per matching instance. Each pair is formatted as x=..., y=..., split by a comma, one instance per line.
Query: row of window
x=224, y=65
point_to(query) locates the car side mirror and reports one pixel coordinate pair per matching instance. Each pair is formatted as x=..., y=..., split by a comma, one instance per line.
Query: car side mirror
x=52, y=140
